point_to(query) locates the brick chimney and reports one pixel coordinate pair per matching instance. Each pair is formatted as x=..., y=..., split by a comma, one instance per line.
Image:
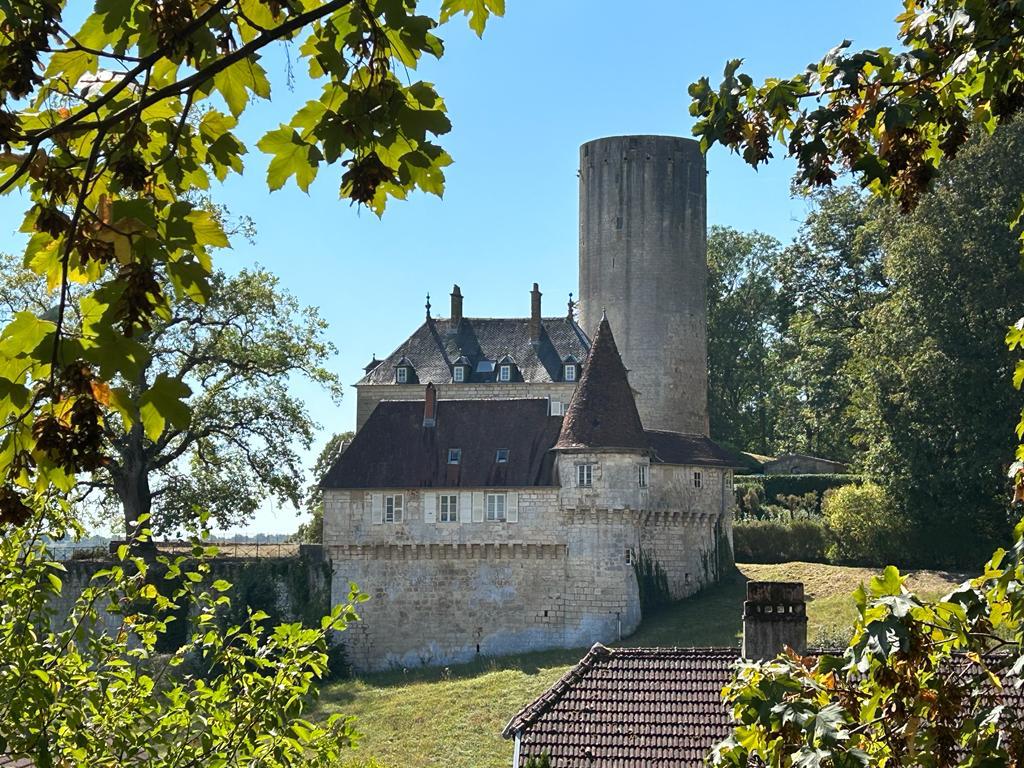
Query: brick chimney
x=535, y=314
x=774, y=616
x=430, y=406
x=456, y=305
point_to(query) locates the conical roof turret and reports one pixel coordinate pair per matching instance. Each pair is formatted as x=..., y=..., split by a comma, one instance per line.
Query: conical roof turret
x=602, y=413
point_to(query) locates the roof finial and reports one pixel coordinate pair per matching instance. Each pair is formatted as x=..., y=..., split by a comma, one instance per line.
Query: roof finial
x=604, y=313
x=428, y=306
x=572, y=307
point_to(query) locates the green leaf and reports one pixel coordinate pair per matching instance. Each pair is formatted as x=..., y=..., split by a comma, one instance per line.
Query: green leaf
x=162, y=403
x=479, y=11
x=292, y=157
x=235, y=83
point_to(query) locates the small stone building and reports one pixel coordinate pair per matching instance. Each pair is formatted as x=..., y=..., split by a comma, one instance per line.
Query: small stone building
x=495, y=526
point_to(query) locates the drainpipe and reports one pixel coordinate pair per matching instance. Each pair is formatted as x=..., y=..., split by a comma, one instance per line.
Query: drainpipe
x=618, y=621
x=515, y=752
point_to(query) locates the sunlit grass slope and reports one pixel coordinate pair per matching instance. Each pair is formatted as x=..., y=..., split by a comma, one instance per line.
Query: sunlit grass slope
x=429, y=717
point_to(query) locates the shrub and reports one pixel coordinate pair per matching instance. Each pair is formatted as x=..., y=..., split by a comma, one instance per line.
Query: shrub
x=779, y=541
x=791, y=491
x=865, y=528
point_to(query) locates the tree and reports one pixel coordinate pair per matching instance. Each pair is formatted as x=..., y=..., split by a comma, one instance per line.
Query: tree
x=312, y=532
x=919, y=683
x=830, y=276
x=238, y=354
x=89, y=688
x=98, y=134
x=744, y=314
x=935, y=413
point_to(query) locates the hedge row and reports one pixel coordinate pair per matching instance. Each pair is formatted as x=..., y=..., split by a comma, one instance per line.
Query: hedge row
x=780, y=541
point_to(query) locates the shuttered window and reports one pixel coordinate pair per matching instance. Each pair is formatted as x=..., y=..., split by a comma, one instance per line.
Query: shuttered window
x=496, y=506
x=448, y=509
x=394, y=506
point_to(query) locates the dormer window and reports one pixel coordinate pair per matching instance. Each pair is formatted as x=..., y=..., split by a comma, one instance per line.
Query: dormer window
x=404, y=372
x=460, y=370
x=506, y=369
x=454, y=455
x=502, y=456
x=570, y=372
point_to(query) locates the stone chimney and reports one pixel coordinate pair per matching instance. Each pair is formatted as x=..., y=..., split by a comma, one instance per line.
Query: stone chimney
x=430, y=406
x=535, y=314
x=774, y=616
x=456, y=305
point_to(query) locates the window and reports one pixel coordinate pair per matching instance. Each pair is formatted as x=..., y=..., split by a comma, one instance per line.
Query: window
x=584, y=475
x=454, y=455
x=697, y=480
x=629, y=556
x=502, y=456
x=393, y=506
x=459, y=374
x=402, y=375
x=570, y=372
x=495, y=506
x=641, y=475
x=557, y=408
x=505, y=373
x=448, y=511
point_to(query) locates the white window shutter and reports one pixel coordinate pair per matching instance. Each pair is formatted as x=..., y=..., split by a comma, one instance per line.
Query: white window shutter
x=512, y=507
x=465, y=511
x=429, y=507
x=478, y=507
x=377, y=505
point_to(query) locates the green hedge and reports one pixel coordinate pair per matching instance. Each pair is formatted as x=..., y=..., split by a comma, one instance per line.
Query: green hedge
x=770, y=487
x=780, y=541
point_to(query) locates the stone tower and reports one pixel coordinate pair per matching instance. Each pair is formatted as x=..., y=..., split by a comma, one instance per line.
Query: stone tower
x=643, y=260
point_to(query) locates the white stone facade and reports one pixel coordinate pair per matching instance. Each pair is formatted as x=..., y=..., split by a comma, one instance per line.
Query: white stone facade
x=557, y=572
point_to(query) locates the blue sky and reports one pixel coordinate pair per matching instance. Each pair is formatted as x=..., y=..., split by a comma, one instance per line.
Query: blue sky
x=544, y=79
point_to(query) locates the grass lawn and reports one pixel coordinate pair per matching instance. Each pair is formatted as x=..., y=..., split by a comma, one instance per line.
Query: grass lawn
x=428, y=717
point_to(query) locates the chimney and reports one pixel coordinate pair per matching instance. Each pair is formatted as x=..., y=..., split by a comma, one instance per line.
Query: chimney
x=430, y=406
x=456, y=306
x=774, y=616
x=535, y=314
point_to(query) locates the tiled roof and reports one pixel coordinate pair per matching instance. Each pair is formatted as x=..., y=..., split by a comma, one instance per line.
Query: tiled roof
x=630, y=708
x=435, y=346
x=394, y=450
x=602, y=412
x=679, y=448
x=644, y=708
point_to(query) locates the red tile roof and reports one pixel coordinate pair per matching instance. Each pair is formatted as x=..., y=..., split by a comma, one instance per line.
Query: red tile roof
x=630, y=707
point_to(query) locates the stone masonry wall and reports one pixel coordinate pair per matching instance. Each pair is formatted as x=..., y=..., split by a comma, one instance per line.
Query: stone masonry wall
x=368, y=395
x=559, y=576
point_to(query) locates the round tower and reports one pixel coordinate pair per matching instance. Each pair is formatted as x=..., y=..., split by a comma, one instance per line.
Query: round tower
x=643, y=260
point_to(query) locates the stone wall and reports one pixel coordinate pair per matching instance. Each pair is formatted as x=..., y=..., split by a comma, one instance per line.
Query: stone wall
x=287, y=588
x=368, y=395
x=560, y=576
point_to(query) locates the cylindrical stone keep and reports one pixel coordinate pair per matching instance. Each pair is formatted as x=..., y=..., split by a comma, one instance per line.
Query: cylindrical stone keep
x=643, y=260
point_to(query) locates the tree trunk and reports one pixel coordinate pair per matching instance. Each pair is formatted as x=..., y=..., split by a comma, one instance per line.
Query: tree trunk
x=131, y=483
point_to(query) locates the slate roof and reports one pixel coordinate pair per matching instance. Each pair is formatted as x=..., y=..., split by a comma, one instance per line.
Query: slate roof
x=435, y=346
x=602, y=412
x=394, y=450
x=679, y=448
x=630, y=708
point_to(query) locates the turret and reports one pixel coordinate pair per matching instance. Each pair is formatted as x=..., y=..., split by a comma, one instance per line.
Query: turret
x=602, y=452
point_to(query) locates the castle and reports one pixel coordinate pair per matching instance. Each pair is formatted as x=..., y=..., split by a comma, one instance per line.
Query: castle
x=515, y=484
